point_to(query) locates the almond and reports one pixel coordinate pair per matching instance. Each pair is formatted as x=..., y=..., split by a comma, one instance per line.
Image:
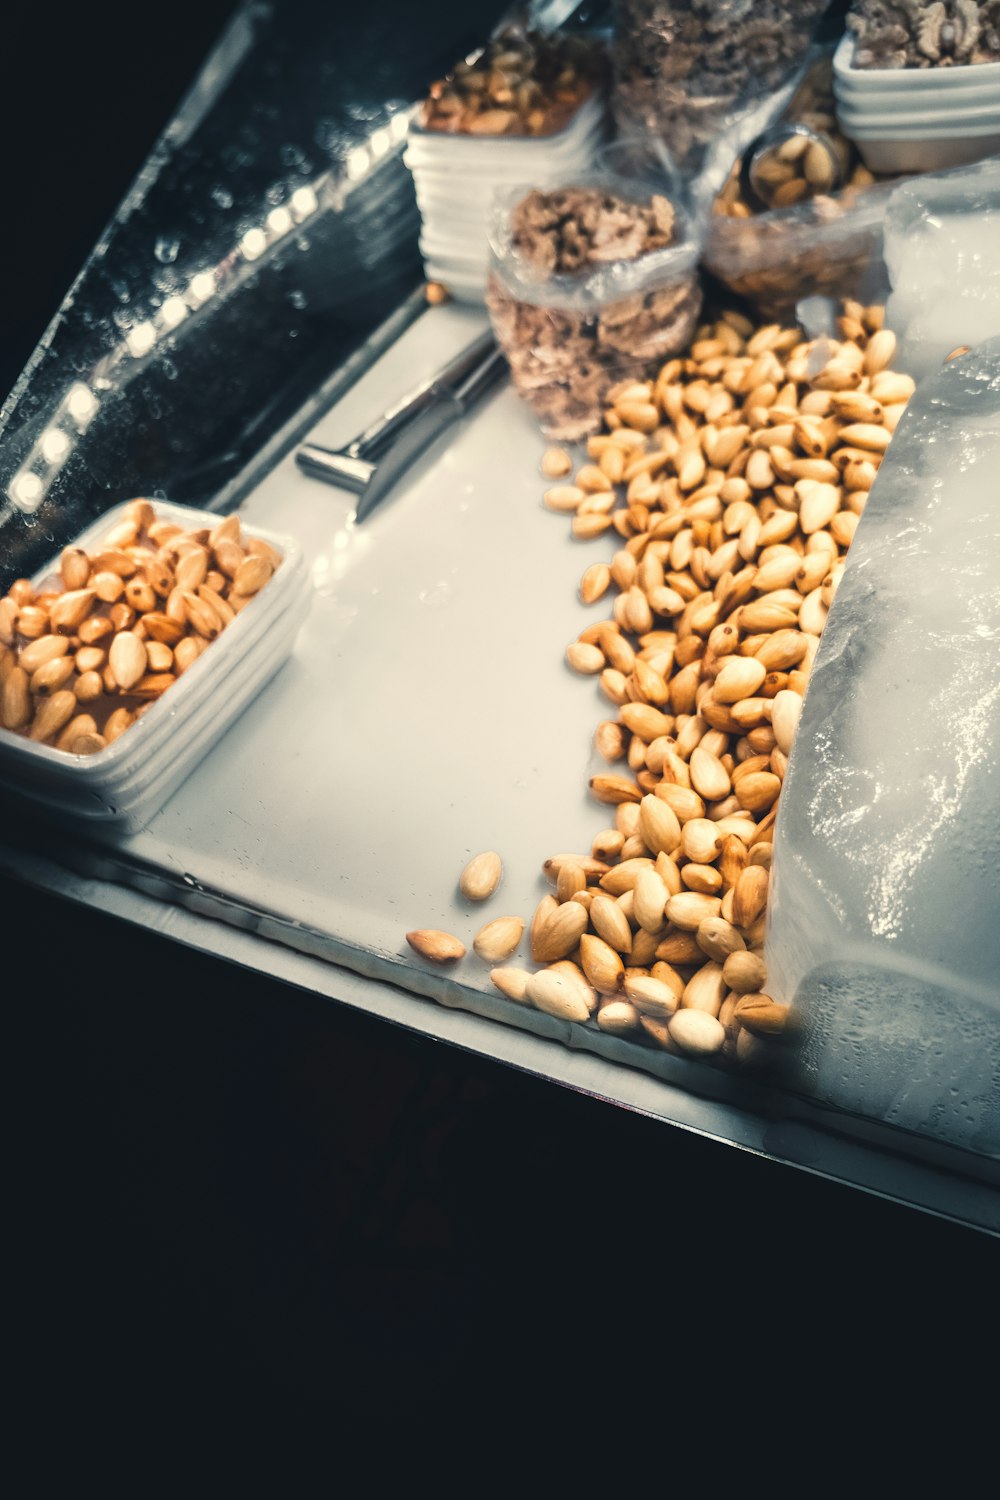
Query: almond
x=612, y=789
x=750, y=896
x=709, y=777
x=610, y=923
x=15, y=704
x=560, y=933
x=70, y=610
x=74, y=568
x=622, y=877
x=689, y=909
x=744, y=972
x=556, y=995
x=153, y=684
x=646, y=721
x=819, y=504
x=576, y=976
x=618, y=1017
x=200, y=615
x=584, y=658
x=679, y=948
x=52, y=715
x=706, y=989
x=595, y=582
x=785, y=711
x=591, y=866
x=45, y=649
x=739, y=677
x=659, y=826
x=545, y=908
x=512, y=982
x=601, y=964
x=760, y=1014
x=127, y=659
x=701, y=841
x=439, y=947
x=682, y=800
x=718, y=938
x=191, y=569
x=481, y=876
x=696, y=1032
x=498, y=939
x=79, y=725
x=52, y=676
x=651, y=997
x=563, y=497
x=555, y=463
x=757, y=791
x=650, y=898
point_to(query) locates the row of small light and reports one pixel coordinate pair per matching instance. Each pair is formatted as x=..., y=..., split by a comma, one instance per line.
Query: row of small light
x=75, y=412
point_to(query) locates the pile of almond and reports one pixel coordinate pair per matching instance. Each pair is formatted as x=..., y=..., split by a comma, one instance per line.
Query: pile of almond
x=733, y=484
x=89, y=650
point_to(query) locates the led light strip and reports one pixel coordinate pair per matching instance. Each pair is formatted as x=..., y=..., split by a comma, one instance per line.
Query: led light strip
x=31, y=483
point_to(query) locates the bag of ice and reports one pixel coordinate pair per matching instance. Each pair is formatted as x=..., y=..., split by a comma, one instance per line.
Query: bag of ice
x=884, y=929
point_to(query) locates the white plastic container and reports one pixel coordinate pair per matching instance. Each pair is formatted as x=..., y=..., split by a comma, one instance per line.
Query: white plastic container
x=119, y=789
x=917, y=119
x=927, y=150
x=917, y=115
x=455, y=178
x=861, y=84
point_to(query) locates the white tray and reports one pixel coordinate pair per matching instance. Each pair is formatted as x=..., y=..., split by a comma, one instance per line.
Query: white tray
x=426, y=713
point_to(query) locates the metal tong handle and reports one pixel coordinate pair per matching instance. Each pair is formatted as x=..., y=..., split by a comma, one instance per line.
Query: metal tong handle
x=447, y=383
x=401, y=432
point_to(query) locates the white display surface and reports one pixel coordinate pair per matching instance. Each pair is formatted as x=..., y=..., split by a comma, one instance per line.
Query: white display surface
x=427, y=713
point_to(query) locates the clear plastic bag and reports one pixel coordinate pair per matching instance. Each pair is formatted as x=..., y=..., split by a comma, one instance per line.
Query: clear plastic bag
x=570, y=336
x=683, y=71
x=826, y=245
x=830, y=246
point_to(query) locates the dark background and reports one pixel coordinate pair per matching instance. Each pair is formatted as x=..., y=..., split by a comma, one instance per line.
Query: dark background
x=228, y=1192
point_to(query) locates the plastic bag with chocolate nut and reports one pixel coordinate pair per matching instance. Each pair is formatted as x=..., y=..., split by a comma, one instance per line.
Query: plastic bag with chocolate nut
x=590, y=283
x=684, y=70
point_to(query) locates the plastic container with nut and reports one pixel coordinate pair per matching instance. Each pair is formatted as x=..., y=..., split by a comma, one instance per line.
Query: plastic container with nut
x=591, y=283
x=958, y=84
x=504, y=119
x=76, y=773
x=917, y=119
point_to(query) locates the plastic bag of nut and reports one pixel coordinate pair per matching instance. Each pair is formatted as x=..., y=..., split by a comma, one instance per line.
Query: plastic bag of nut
x=830, y=246
x=798, y=214
x=590, y=283
x=684, y=70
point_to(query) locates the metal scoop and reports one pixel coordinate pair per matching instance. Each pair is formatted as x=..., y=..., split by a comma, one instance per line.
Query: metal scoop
x=372, y=463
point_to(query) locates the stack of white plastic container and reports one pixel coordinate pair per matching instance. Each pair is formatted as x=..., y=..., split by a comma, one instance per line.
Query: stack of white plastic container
x=457, y=175
x=917, y=119
x=119, y=788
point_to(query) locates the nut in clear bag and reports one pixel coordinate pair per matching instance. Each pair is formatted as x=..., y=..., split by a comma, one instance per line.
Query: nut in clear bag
x=571, y=334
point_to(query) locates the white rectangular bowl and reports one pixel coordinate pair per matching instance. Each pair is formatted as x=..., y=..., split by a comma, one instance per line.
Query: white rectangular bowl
x=860, y=83
x=888, y=152
x=125, y=784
